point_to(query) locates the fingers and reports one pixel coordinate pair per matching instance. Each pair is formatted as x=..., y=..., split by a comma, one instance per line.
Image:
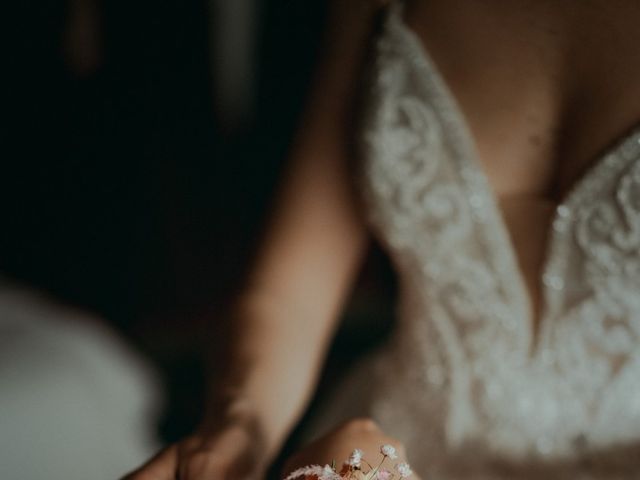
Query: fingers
x=161, y=467
x=359, y=433
x=230, y=455
x=233, y=454
x=367, y=426
x=192, y=459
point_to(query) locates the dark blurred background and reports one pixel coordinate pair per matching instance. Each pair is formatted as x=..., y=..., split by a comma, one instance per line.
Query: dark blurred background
x=143, y=143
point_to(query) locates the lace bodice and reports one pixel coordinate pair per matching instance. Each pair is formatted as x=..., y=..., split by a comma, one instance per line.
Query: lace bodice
x=465, y=382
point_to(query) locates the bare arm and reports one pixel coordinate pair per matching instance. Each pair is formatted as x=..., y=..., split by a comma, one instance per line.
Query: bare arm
x=286, y=315
x=314, y=243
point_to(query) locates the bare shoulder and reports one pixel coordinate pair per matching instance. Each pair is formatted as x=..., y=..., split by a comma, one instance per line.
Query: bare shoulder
x=348, y=31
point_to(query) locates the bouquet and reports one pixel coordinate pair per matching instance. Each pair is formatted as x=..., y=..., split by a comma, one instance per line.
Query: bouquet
x=356, y=468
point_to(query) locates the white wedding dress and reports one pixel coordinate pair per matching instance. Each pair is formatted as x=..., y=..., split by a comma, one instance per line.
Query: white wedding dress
x=464, y=382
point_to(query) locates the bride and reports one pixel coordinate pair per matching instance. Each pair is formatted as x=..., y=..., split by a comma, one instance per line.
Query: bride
x=494, y=152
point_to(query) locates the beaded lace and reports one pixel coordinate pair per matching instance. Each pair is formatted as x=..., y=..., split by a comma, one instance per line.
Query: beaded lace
x=465, y=382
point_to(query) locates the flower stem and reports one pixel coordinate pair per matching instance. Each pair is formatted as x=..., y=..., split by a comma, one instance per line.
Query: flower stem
x=373, y=472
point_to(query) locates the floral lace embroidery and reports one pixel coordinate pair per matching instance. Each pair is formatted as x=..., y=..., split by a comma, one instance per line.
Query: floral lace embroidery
x=468, y=315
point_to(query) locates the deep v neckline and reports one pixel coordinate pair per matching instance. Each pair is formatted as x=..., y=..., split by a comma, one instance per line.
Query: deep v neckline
x=481, y=193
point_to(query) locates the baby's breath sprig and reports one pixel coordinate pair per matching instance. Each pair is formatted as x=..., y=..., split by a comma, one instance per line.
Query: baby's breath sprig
x=352, y=468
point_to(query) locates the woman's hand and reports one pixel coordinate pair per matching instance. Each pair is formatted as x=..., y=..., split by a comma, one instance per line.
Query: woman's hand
x=338, y=444
x=236, y=451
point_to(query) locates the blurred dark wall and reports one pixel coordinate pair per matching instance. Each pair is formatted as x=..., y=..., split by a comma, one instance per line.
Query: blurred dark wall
x=123, y=193
x=121, y=190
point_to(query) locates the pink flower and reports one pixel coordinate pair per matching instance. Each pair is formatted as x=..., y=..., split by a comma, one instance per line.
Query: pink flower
x=321, y=473
x=384, y=474
x=388, y=451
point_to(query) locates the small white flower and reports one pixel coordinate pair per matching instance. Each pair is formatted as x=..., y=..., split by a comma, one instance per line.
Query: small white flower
x=404, y=470
x=389, y=451
x=328, y=473
x=355, y=459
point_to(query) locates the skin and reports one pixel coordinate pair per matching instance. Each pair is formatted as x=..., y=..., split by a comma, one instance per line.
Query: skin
x=340, y=442
x=545, y=86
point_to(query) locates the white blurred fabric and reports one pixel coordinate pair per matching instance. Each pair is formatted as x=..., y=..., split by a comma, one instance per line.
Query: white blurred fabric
x=75, y=402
